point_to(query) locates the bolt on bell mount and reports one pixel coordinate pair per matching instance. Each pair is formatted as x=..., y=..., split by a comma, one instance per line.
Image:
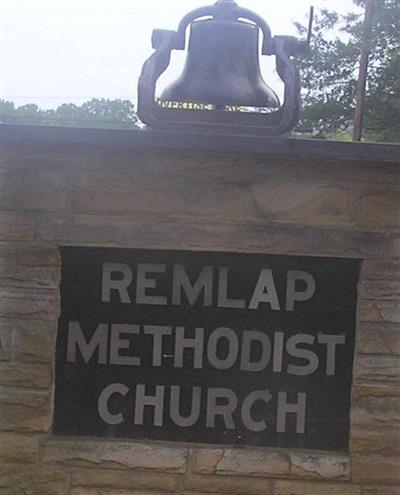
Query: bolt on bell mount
x=221, y=81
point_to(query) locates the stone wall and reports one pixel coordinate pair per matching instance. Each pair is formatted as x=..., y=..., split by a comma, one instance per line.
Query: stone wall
x=80, y=191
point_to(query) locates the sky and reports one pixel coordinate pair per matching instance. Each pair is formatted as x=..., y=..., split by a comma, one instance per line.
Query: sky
x=69, y=51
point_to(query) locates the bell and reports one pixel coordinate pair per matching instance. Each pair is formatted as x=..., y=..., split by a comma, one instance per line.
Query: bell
x=222, y=67
x=222, y=72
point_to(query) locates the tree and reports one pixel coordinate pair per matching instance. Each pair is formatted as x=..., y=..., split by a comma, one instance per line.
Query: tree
x=329, y=75
x=93, y=113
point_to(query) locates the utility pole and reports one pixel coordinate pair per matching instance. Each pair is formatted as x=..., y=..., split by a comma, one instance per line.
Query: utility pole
x=362, y=77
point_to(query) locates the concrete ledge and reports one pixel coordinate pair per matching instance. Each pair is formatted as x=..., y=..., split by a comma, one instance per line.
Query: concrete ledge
x=141, y=140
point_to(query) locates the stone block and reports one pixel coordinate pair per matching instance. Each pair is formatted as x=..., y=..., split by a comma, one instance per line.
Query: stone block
x=380, y=290
x=25, y=375
x=228, y=164
x=226, y=484
x=393, y=249
x=381, y=490
x=320, y=466
x=117, y=454
x=305, y=203
x=33, y=479
x=350, y=243
x=376, y=368
x=33, y=157
x=19, y=448
x=5, y=341
x=378, y=338
x=253, y=463
x=35, y=304
x=384, y=440
x=16, y=226
x=194, y=164
x=315, y=488
x=176, y=197
x=141, y=232
x=128, y=480
x=205, y=461
x=33, y=341
x=210, y=493
x=25, y=410
x=29, y=266
x=380, y=270
x=157, y=233
x=34, y=189
x=376, y=469
x=380, y=207
x=89, y=491
x=137, y=232
x=103, y=231
x=106, y=491
x=379, y=311
x=375, y=406
x=80, y=158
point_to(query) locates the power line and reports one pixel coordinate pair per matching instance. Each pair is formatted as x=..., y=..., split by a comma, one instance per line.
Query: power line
x=69, y=97
x=58, y=119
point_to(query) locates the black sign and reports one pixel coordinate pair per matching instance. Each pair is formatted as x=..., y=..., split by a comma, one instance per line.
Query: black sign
x=222, y=348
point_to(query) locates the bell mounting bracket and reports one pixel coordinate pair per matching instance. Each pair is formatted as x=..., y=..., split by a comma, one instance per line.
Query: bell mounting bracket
x=274, y=123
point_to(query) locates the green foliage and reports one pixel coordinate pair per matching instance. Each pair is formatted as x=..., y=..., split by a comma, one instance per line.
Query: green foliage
x=93, y=113
x=329, y=75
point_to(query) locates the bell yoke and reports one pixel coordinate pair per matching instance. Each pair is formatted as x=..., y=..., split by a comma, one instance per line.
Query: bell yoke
x=221, y=89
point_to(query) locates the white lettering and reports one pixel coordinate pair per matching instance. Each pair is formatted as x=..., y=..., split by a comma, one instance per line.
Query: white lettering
x=310, y=356
x=194, y=414
x=292, y=295
x=102, y=405
x=265, y=291
x=158, y=333
x=116, y=344
x=144, y=283
x=225, y=410
x=182, y=343
x=98, y=341
x=331, y=342
x=155, y=401
x=248, y=338
x=284, y=408
x=248, y=403
x=180, y=281
x=109, y=284
x=223, y=300
x=232, y=348
x=278, y=352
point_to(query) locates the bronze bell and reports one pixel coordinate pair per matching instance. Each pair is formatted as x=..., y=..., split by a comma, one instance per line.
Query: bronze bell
x=222, y=75
x=222, y=67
